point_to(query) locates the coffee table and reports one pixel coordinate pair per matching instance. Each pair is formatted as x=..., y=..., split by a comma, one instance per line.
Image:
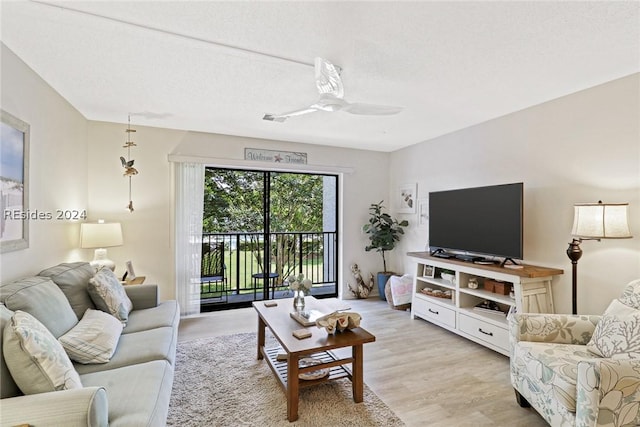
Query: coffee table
x=319, y=346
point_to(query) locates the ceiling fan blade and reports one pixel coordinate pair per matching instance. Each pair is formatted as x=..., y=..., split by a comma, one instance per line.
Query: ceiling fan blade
x=284, y=116
x=371, y=109
x=328, y=78
x=331, y=97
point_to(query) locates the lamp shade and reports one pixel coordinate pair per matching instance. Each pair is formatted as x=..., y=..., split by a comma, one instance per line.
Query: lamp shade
x=100, y=235
x=601, y=221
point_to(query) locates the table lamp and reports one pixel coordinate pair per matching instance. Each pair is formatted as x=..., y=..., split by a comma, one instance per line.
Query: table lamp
x=101, y=235
x=595, y=221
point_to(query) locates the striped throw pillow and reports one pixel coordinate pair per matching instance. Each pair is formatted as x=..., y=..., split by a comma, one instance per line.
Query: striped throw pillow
x=94, y=339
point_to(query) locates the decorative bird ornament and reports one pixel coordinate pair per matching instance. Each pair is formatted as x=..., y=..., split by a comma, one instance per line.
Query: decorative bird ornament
x=128, y=167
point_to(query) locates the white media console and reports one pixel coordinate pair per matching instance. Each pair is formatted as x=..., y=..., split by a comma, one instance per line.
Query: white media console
x=457, y=312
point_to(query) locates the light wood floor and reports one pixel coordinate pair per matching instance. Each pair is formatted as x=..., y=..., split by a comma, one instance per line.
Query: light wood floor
x=428, y=376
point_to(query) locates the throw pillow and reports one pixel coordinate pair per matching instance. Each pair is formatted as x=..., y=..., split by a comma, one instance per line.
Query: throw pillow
x=631, y=294
x=93, y=339
x=72, y=279
x=41, y=298
x=109, y=295
x=36, y=360
x=617, y=334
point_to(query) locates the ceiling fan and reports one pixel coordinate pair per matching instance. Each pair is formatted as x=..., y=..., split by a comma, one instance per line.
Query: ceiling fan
x=332, y=97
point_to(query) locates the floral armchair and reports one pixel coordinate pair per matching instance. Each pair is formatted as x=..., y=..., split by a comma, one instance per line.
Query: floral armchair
x=579, y=370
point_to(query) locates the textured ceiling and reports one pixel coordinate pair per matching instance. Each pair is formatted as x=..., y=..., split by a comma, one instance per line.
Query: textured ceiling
x=449, y=64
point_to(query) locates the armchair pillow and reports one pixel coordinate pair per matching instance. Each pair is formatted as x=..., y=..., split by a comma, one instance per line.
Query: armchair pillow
x=94, y=339
x=631, y=294
x=617, y=334
x=36, y=360
x=109, y=295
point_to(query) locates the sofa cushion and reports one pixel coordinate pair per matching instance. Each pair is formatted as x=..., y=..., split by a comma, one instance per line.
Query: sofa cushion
x=93, y=339
x=550, y=369
x=41, y=298
x=109, y=295
x=617, y=334
x=167, y=313
x=138, y=394
x=72, y=279
x=139, y=347
x=8, y=387
x=36, y=360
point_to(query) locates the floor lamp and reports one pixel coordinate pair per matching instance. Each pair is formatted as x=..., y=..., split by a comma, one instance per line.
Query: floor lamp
x=594, y=221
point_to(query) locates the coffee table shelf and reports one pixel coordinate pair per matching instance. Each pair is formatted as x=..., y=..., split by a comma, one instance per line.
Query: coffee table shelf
x=329, y=360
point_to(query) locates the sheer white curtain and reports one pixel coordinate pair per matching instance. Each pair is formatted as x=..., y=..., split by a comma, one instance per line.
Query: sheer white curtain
x=188, y=227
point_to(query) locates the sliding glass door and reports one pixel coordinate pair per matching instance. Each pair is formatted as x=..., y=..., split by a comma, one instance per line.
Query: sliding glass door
x=260, y=227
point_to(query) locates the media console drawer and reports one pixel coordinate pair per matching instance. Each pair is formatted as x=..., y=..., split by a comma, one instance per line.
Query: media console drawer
x=484, y=330
x=429, y=310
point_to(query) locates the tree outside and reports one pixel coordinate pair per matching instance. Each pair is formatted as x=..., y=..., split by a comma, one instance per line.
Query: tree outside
x=234, y=203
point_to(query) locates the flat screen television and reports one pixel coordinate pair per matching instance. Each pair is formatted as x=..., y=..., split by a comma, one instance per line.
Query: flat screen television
x=481, y=220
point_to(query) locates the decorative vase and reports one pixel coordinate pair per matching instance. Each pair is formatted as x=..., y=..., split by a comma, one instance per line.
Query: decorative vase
x=383, y=277
x=298, y=300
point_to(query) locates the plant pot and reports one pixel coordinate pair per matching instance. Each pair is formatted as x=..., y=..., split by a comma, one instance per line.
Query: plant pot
x=383, y=277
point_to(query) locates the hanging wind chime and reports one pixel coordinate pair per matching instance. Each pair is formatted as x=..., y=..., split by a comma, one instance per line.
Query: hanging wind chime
x=127, y=163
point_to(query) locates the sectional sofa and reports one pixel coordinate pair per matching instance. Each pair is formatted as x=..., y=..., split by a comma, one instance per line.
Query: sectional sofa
x=130, y=387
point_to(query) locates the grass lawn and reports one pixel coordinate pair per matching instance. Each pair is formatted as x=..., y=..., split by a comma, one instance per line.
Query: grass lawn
x=243, y=264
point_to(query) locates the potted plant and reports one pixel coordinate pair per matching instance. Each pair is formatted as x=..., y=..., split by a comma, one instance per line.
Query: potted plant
x=383, y=232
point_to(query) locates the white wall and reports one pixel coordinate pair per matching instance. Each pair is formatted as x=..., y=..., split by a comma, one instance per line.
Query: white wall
x=58, y=173
x=583, y=147
x=148, y=231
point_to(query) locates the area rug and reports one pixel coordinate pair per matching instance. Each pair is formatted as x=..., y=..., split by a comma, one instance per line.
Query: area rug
x=219, y=382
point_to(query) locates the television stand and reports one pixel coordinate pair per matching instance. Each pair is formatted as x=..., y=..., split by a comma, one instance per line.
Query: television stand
x=473, y=287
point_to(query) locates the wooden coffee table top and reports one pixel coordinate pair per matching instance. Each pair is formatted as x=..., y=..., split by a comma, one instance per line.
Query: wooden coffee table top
x=282, y=325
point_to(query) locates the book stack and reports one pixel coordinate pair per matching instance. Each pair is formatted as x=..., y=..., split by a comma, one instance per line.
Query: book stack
x=490, y=307
x=307, y=318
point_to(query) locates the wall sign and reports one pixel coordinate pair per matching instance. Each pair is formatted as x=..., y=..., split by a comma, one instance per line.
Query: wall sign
x=275, y=156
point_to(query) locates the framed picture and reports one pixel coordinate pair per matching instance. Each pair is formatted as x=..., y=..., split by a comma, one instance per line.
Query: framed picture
x=14, y=189
x=429, y=271
x=406, y=198
x=423, y=213
x=130, y=273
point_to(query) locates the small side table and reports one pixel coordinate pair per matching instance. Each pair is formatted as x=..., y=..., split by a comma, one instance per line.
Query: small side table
x=271, y=282
x=138, y=280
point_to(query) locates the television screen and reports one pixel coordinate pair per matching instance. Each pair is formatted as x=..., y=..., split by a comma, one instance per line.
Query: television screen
x=481, y=220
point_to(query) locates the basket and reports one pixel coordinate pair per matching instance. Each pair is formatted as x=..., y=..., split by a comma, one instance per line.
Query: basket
x=387, y=294
x=441, y=294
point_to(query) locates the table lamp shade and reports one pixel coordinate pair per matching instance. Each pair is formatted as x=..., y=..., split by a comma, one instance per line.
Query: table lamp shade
x=100, y=235
x=601, y=221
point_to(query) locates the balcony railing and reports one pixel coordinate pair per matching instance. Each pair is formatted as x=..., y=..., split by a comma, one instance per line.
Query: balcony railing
x=233, y=264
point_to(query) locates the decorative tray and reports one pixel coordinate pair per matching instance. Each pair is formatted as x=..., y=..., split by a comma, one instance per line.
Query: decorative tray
x=313, y=375
x=437, y=293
